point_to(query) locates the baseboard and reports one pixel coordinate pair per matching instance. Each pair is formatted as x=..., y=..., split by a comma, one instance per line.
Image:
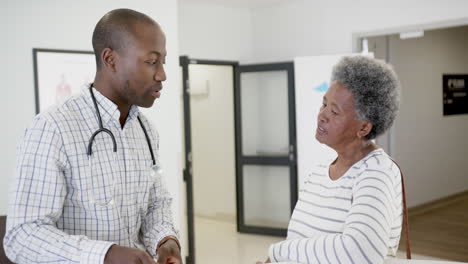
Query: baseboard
x=435, y=204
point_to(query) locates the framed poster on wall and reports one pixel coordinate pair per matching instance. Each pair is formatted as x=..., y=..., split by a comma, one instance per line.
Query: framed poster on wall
x=60, y=73
x=455, y=94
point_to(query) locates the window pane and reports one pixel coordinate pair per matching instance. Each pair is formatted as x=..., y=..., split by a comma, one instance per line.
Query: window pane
x=266, y=196
x=265, y=122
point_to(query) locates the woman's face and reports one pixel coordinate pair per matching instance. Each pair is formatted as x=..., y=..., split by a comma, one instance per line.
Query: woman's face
x=337, y=124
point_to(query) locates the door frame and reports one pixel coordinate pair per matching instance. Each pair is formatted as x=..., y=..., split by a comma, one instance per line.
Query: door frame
x=289, y=160
x=184, y=62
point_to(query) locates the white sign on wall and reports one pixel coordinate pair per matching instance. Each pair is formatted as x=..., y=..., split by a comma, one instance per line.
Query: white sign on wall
x=312, y=79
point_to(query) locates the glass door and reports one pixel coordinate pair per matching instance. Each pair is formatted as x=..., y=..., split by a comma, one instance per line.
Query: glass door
x=266, y=173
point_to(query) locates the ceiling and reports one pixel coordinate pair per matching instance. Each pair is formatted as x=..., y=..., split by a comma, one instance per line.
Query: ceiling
x=238, y=3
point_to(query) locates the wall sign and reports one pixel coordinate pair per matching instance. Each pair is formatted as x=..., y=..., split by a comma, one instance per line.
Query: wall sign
x=455, y=94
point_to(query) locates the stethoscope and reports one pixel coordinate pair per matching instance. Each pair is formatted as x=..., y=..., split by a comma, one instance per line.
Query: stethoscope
x=155, y=170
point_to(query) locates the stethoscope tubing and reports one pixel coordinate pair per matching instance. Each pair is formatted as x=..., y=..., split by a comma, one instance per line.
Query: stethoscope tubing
x=105, y=130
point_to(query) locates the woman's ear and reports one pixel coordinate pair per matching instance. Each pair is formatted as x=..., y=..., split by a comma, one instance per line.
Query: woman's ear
x=365, y=129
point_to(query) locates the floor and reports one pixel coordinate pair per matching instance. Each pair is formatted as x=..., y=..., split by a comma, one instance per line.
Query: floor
x=448, y=236
x=218, y=242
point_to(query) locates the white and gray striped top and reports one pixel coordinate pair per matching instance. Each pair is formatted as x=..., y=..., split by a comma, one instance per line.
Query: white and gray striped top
x=355, y=219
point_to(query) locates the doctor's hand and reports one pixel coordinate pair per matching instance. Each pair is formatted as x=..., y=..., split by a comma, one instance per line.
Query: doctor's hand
x=123, y=255
x=169, y=253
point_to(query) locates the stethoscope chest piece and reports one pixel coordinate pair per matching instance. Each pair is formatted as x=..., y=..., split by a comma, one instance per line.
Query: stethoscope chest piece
x=155, y=172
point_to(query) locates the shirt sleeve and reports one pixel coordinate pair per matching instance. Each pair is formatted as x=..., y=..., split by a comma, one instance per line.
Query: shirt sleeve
x=36, y=204
x=158, y=222
x=366, y=233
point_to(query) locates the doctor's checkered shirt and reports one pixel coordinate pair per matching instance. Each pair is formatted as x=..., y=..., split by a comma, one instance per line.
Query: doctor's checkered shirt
x=52, y=217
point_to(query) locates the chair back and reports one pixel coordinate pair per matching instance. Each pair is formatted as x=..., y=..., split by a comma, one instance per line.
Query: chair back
x=405, y=215
x=3, y=257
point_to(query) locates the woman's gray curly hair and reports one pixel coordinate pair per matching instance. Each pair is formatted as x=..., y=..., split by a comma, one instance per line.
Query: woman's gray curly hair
x=375, y=88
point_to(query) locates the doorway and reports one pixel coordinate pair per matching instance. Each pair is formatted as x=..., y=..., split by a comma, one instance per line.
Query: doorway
x=209, y=121
x=266, y=150
x=240, y=148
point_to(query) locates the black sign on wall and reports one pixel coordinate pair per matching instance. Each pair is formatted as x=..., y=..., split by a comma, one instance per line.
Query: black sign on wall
x=455, y=97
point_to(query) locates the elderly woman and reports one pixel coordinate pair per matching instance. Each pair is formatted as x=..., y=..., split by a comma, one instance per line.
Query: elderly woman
x=350, y=210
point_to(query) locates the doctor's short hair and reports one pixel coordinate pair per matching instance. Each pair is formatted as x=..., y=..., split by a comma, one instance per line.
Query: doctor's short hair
x=375, y=88
x=115, y=29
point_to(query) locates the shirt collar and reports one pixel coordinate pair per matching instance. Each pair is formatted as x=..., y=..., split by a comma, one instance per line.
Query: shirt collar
x=108, y=109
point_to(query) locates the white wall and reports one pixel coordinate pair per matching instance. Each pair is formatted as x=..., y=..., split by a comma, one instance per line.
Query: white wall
x=215, y=32
x=431, y=148
x=58, y=24
x=306, y=28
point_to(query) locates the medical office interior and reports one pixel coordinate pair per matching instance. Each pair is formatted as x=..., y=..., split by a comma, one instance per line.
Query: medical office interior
x=230, y=120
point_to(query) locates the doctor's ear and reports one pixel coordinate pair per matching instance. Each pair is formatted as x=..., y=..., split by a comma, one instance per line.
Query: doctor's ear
x=108, y=59
x=366, y=128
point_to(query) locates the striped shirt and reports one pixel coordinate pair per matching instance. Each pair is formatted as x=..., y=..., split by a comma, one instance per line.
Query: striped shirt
x=354, y=219
x=62, y=210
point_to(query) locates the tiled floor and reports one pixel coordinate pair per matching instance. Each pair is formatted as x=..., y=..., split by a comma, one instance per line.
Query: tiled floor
x=218, y=242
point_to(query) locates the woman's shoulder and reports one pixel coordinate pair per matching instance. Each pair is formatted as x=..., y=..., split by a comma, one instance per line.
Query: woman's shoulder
x=379, y=162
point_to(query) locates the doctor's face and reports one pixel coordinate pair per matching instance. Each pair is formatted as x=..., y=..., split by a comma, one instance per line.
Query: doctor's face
x=142, y=66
